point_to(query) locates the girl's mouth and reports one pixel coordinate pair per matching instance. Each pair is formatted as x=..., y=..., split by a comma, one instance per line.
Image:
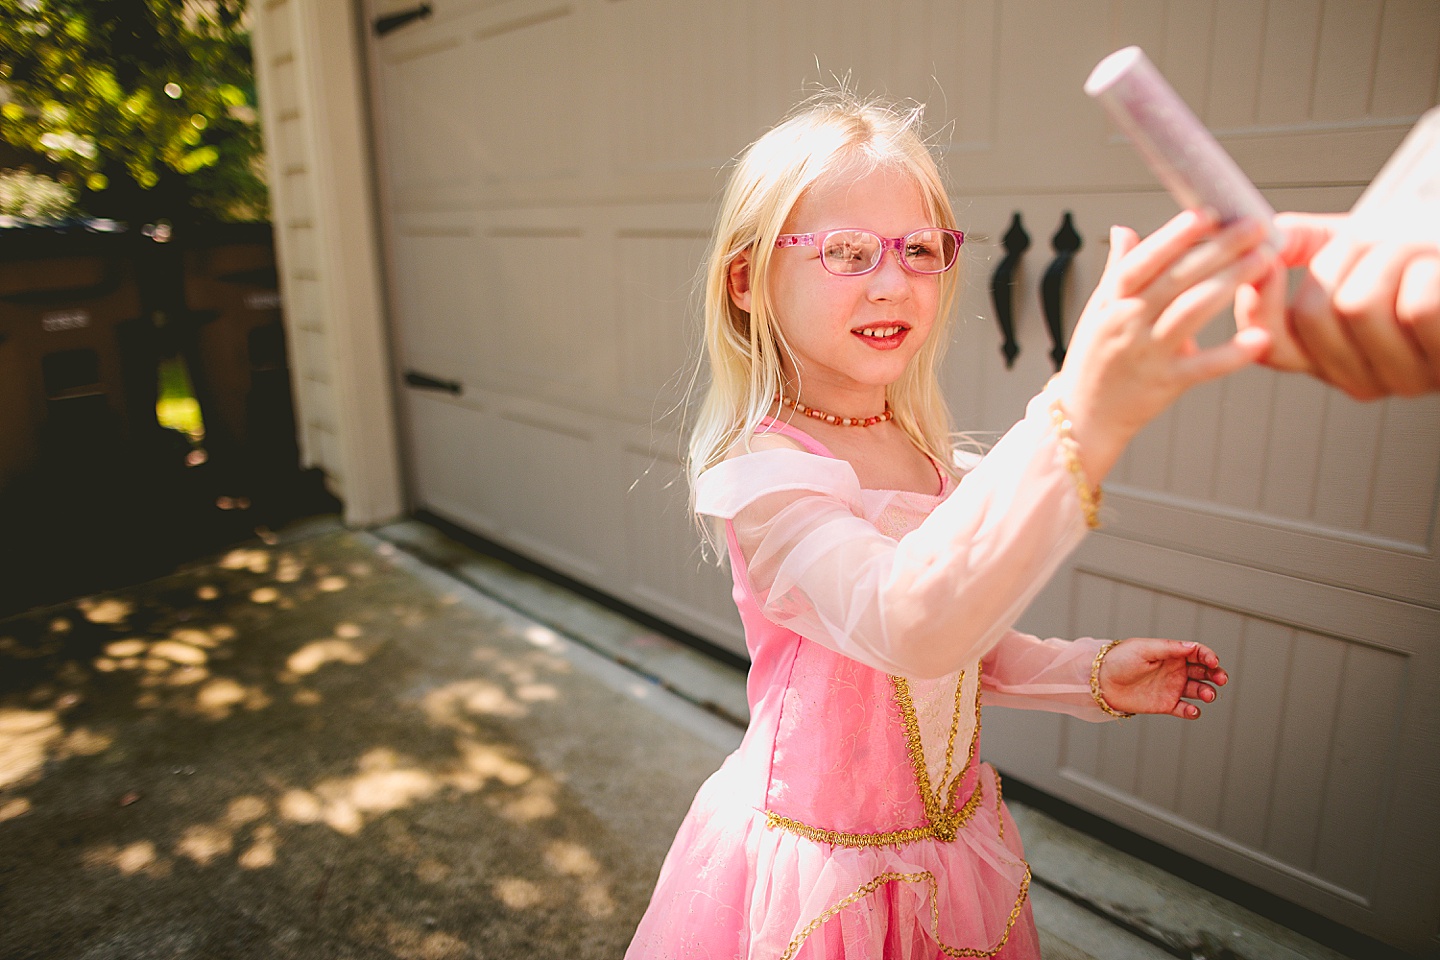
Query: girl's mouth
x=882, y=336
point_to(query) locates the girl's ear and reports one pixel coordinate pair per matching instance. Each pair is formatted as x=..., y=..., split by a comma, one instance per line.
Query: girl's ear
x=739, y=280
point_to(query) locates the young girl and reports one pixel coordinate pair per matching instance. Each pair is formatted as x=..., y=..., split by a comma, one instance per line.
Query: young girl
x=877, y=580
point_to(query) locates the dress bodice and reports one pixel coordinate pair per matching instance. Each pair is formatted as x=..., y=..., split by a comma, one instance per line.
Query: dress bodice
x=905, y=749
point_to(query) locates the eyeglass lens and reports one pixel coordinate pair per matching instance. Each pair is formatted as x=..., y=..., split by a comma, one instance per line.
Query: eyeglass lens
x=858, y=251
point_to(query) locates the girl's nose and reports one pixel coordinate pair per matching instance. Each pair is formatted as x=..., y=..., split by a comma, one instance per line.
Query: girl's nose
x=889, y=280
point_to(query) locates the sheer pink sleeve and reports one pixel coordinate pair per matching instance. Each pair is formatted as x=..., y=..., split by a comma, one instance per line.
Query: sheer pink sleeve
x=1025, y=671
x=922, y=606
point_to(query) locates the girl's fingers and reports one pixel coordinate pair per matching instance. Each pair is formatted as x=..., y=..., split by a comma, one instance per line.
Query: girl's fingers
x=1147, y=259
x=1184, y=314
x=1186, y=711
x=1122, y=241
x=1243, y=349
x=1195, y=690
x=1210, y=260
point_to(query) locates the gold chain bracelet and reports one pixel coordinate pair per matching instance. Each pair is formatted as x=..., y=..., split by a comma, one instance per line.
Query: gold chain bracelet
x=1090, y=497
x=1095, y=683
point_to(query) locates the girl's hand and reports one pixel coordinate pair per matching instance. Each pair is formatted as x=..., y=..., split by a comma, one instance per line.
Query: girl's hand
x=1134, y=352
x=1144, y=675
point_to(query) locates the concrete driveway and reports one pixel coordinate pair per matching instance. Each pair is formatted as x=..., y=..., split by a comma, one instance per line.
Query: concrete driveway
x=322, y=748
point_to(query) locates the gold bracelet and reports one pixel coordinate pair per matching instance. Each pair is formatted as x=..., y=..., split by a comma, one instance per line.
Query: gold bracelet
x=1090, y=497
x=1095, y=683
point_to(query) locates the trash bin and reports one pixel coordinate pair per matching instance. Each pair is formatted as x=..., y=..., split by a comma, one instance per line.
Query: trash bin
x=74, y=363
x=243, y=381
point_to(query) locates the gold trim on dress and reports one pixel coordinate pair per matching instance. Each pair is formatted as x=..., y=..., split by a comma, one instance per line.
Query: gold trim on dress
x=940, y=810
x=840, y=838
x=928, y=878
x=999, y=807
x=943, y=821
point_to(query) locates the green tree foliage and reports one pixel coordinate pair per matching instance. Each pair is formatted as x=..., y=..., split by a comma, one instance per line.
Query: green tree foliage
x=145, y=106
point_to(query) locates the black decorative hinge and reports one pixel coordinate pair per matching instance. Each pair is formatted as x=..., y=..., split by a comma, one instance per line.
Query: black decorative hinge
x=423, y=381
x=1002, y=287
x=1065, y=243
x=394, y=21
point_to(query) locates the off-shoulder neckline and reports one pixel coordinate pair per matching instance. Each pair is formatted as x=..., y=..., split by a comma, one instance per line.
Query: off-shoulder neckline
x=816, y=448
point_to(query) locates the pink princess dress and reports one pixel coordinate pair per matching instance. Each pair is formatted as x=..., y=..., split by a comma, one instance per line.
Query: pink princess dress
x=855, y=820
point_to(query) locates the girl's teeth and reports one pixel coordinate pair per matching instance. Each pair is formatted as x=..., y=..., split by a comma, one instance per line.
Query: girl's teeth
x=879, y=332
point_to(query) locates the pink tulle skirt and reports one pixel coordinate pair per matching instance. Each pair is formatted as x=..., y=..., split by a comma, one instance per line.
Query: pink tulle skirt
x=735, y=888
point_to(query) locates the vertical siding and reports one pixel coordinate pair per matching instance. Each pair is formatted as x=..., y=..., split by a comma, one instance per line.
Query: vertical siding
x=282, y=96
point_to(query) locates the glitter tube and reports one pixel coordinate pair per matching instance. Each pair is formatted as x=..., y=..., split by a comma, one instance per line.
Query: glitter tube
x=1182, y=153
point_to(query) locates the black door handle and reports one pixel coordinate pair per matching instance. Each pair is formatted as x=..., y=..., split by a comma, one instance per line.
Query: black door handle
x=395, y=21
x=424, y=381
x=1002, y=287
x=1065, y=242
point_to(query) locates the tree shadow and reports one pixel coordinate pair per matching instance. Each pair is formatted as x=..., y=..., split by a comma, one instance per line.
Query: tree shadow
x=297, y=750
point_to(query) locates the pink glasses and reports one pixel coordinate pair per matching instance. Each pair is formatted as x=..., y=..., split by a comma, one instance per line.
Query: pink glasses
x=851, y=253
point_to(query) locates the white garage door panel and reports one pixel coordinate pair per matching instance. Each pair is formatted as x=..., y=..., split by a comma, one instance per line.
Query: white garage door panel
x=433, y=144
x=452, y=471
x=520, y=67
x=1300, y=92
x=552, y=458
x=690, y=101
x=668, y=568
x=531, y=329
x=435, y=282
x=657, y=292
x=1330, y=710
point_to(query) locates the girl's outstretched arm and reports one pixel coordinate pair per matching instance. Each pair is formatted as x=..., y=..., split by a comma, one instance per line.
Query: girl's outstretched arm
x=924, y=605
x=1131, y=676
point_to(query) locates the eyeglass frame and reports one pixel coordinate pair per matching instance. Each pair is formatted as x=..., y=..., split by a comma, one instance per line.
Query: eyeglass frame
x=897, y=244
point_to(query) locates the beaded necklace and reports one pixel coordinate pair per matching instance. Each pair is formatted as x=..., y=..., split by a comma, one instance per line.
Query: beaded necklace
x=811, y=412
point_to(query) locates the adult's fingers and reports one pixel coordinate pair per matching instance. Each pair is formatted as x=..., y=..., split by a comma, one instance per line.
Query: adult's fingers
x=1262, y=305
x=1215, y=675
x=1322, y=335
x=1417, y=307
x=1368, y=301
x=1305, y=234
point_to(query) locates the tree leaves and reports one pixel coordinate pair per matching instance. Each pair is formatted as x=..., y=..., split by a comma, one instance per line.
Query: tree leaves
x=143, y=104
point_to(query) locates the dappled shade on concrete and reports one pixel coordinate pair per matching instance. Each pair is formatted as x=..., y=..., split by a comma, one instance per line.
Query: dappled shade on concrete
x=313, y=749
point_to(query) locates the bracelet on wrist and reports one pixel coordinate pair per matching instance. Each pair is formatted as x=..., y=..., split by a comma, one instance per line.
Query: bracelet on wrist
x=1095, y=693
x=1090, y=496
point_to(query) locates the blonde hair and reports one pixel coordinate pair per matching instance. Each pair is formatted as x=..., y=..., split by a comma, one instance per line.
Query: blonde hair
x=830, y=132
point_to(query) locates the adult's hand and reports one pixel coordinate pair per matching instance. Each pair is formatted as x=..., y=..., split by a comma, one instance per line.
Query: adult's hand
x=1365, y=316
